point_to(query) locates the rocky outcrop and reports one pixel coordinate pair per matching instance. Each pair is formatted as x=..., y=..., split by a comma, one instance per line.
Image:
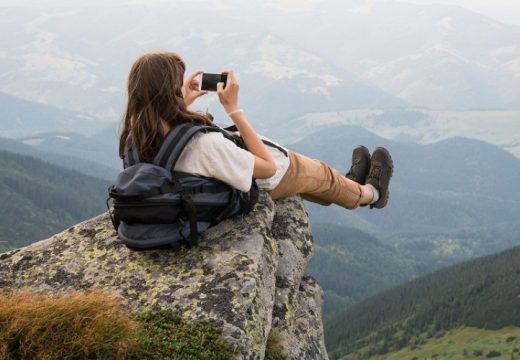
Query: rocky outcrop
x=246, y=276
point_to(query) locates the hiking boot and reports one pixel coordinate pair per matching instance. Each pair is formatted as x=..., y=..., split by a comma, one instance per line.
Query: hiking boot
x=381, y=170
x=360, y=165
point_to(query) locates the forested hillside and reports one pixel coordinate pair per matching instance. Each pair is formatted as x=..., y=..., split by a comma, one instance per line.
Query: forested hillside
x=66, y=160
x=351, y=265
x=40, y=199
x=481, y=293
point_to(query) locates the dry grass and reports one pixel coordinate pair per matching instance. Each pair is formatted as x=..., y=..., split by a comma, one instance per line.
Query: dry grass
x=77, y=325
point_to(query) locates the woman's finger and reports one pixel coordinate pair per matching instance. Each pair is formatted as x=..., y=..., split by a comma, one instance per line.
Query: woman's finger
x=200, y=93
x=192, y=76
x=194, y=85
x=230, y=76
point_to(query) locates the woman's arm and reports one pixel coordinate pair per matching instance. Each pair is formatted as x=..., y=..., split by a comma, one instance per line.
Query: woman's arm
x=264, y=165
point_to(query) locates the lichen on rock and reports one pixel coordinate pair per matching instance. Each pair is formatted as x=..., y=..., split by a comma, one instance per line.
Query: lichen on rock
x=245, y=276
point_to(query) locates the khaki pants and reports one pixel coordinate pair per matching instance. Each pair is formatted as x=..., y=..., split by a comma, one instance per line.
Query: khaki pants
x=317, y=182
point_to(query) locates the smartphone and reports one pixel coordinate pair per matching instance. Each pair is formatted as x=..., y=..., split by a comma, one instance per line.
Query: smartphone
x=209, y=81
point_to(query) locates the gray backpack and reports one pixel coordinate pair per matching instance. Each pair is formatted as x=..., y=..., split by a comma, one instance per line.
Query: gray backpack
x=154, y=206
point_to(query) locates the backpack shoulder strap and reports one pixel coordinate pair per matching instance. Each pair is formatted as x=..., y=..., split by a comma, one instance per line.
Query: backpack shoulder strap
x=175, y=142
x=131, y=154
x=233, y=128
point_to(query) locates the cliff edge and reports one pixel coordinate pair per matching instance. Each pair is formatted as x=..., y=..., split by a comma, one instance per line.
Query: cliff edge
x=246, y=276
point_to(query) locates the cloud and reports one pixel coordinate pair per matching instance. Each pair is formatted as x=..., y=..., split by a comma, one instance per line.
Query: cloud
x=293, y=5
x=364, y=8
x=506, y=11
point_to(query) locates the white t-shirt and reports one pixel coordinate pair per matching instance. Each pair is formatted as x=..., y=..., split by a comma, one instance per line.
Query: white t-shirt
x=212, y=155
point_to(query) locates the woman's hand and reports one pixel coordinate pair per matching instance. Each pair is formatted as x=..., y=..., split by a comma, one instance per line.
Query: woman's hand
x=191, y=89
x=228, y=95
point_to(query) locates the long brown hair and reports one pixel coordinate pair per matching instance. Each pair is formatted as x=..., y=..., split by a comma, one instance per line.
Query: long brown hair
x=154, y=95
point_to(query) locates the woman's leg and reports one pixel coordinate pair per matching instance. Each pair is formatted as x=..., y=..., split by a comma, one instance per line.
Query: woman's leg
x=318, y=182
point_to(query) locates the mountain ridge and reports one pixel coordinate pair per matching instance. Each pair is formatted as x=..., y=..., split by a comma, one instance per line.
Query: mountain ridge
x=20, y=117
x=482, y=294
x=86, y=167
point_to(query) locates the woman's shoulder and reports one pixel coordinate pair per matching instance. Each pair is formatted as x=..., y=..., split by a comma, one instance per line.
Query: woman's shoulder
x=213, y=139
x=208, y=138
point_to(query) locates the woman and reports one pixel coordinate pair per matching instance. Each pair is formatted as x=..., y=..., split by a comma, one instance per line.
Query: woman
x=158, y=100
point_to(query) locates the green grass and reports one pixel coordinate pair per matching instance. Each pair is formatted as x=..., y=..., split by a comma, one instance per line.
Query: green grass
x=462, y=343
x=274, y=348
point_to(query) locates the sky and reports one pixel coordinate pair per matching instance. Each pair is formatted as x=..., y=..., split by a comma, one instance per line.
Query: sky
x=506, y=11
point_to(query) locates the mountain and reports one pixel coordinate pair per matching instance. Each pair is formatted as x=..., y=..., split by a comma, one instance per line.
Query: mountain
x=334, y=54
x=86, y=66
x=456, y=183
x=39, y=199
x=351, y=265
x=86, y=167
x=422, y=126
x=20, y=117
x=60, y=136
x=435, y=56
x=88, y=148
x=449, y=202
x=481, y=293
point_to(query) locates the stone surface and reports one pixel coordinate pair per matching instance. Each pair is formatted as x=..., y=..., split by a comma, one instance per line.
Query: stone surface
x=302, y=334
x=298, y=298
x=246, y=275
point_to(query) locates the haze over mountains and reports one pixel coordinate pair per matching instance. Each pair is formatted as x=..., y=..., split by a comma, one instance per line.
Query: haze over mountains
x=388, y=55
x=440, y=57
x=20, y=118
x=431, y=83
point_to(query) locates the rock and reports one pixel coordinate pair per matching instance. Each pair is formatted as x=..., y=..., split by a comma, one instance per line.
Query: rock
x=246, y=275
x=298, y=298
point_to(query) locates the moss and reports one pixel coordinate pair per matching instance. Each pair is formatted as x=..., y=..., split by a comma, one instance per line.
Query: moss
x=166, y=336
x=103, y=234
